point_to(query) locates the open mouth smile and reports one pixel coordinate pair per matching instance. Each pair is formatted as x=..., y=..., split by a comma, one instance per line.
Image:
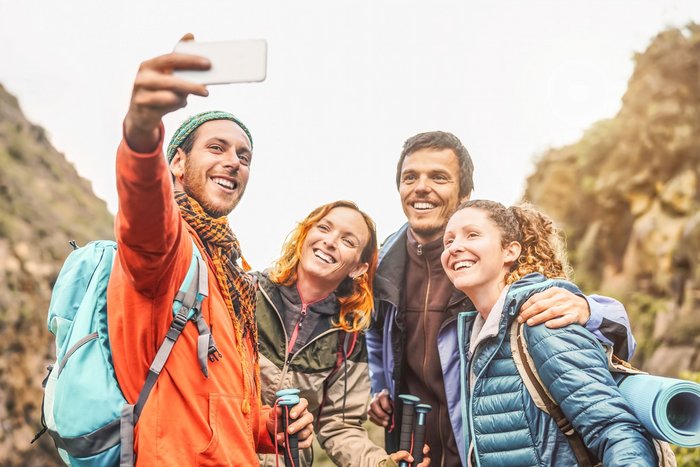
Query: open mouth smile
x=423, y=205
x=459, y=265
x=225, y=183
x=326, y=258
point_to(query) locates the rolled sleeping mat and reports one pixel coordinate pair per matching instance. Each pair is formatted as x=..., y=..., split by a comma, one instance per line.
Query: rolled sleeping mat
x=668, y=408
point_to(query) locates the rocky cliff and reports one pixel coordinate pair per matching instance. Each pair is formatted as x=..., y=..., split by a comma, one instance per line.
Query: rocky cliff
x=44, y=203
x=627, y=195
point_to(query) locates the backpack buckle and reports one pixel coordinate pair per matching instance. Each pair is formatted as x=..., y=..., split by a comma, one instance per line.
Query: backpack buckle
x=180, y=320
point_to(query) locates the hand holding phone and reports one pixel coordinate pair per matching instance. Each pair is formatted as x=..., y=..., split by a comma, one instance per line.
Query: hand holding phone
x=239, y=61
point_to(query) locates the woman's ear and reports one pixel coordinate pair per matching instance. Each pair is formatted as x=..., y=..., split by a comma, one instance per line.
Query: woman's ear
x=511, y=252
x=358, y=270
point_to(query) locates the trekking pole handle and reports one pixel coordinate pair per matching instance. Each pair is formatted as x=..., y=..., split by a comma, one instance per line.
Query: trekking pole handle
x=407, y=419
x=287, y=398
x=419, y=438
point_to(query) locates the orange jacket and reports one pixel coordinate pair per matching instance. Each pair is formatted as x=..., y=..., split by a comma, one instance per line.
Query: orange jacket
x=188, y=419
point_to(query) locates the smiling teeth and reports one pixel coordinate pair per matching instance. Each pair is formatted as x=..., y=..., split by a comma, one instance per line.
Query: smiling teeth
x=224, y=183
x=423, y=205
x=463, y=265
x=327, y=258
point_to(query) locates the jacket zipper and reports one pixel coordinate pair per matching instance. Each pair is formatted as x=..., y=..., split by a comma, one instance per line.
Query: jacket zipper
x=471, y=393
x=425, y=315
x=300, y=322
x=81, y=342
x=293, y=356
x=290, y=356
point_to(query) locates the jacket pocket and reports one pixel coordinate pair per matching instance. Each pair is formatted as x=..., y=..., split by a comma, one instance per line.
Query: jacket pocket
x=224, y=411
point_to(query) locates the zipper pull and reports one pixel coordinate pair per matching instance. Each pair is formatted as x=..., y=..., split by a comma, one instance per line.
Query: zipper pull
x=295, y=333
x=420, y=250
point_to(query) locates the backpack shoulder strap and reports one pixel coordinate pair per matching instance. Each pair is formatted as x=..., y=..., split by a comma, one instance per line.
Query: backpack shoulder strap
x=543, y=398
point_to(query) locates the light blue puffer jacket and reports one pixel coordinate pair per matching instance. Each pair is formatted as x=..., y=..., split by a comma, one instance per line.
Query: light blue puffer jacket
x=503, y=424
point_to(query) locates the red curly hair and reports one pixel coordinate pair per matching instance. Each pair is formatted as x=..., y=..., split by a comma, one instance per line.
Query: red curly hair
x=542, y=244
x=355, y=296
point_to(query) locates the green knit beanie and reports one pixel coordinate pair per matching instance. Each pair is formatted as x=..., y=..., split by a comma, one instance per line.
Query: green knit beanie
x=194, y=122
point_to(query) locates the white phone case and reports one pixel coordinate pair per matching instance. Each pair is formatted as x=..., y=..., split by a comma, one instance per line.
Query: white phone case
x=238, y=61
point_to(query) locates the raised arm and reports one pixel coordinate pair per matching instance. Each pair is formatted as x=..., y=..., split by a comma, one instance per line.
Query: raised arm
x=147, y=224
x=573, y=367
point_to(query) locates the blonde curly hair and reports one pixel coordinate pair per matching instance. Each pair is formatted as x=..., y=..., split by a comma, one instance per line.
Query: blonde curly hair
x=542, y=243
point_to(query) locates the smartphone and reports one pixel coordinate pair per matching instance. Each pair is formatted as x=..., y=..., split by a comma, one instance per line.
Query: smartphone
x=241, y=61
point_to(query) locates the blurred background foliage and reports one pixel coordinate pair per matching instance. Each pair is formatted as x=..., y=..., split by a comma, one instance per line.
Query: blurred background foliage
x=626, y=195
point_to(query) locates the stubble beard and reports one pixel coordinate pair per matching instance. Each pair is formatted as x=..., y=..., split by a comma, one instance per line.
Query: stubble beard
x=196, y=190
x=433, y=229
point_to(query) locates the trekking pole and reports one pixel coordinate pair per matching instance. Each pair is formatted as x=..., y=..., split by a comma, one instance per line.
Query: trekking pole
x=287, y=398
x=407, y=416
x=419, y=438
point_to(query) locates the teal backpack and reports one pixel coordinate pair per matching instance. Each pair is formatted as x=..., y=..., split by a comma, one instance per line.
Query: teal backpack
x=84, y=409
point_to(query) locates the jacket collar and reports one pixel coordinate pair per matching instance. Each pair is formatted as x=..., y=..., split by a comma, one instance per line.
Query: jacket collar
x=325, y=306
x=391, y=268
x=270, y=289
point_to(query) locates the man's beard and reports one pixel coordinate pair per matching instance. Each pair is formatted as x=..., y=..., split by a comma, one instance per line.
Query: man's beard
x=431, y=231
x=196, y=190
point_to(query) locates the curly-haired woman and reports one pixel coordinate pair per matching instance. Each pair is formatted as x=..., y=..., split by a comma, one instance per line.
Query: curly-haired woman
x=499, y=257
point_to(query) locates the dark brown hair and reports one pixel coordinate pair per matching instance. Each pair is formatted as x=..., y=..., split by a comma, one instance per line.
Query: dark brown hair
x=441, y=140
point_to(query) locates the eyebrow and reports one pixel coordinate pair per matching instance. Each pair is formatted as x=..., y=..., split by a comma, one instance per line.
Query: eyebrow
x=217, y=139
x=244, y=149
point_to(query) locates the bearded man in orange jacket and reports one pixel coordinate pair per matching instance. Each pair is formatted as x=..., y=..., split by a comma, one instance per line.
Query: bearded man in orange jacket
x=164, y=212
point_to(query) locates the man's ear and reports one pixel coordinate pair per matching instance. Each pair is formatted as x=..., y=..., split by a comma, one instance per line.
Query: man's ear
x=466, y=198
x=177, y=165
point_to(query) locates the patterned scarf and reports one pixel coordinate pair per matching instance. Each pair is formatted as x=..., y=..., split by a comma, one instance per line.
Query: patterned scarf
x=237, y=287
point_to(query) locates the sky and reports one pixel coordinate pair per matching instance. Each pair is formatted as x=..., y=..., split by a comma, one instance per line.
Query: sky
x=347, y=84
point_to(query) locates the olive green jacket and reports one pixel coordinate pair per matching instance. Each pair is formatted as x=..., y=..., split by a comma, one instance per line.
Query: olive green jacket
x=312, y=368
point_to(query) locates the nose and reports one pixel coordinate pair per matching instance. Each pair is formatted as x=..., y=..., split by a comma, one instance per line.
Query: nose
x=231, y=160
x=455, y=247
x=422, y=185
x=330, y=240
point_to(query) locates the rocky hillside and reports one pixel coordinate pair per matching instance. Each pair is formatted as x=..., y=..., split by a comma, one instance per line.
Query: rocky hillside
x=627, y=195
x=44, y=203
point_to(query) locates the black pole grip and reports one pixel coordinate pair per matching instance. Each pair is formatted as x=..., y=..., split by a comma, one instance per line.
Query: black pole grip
x=418, y=442
x=292, y=445
x=406, y=427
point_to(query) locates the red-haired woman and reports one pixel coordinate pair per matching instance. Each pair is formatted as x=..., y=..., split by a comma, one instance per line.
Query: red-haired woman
x=312, y=308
